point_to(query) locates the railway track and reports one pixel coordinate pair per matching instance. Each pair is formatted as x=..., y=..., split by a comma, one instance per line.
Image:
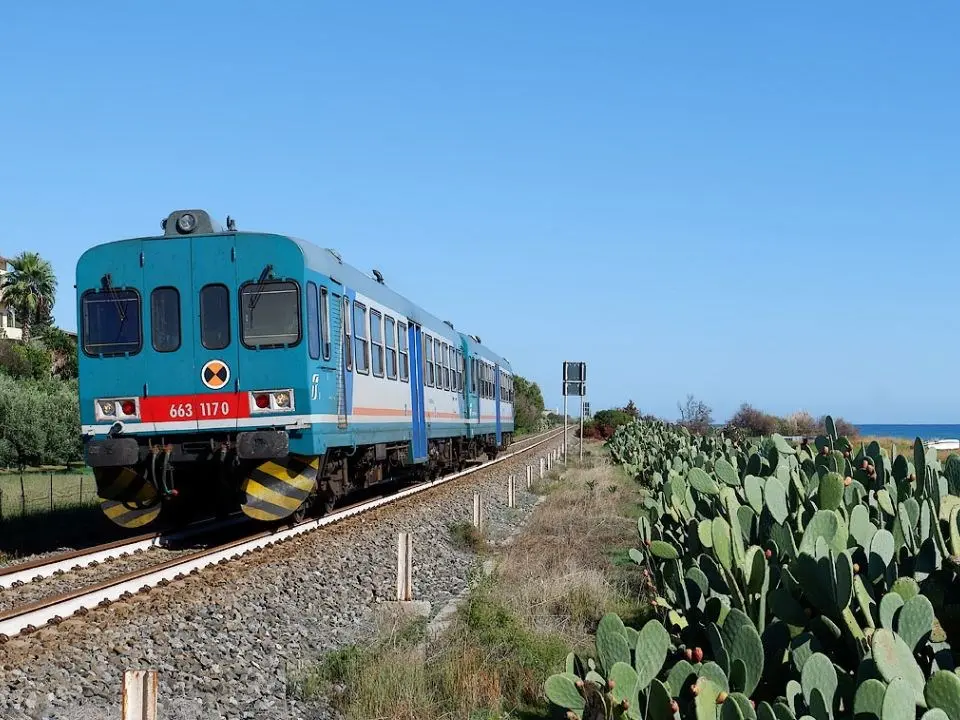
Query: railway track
x=51, y=610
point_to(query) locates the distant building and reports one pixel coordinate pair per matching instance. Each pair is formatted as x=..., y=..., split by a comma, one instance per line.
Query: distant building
x=9, y=322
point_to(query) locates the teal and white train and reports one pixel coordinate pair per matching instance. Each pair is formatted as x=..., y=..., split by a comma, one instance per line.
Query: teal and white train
x=259, y=370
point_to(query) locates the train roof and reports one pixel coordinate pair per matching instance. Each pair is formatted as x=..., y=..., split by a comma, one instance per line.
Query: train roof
x=331, y=264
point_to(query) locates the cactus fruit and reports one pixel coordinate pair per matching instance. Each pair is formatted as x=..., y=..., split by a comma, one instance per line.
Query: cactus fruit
x=698, y=654
x=722, y=697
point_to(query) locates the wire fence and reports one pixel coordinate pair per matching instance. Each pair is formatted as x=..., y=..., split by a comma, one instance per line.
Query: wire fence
x=32, y=493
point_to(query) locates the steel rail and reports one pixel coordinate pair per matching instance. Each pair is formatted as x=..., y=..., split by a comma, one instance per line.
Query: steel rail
x=54, y=609
x=22, y=573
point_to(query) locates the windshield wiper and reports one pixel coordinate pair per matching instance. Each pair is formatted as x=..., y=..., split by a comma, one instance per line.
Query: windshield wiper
x=108, y=286
x=259, y=289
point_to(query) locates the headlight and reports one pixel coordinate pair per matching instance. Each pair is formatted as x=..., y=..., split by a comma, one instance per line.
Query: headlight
x=282, y=399
x=187, y=223
x=108, y=407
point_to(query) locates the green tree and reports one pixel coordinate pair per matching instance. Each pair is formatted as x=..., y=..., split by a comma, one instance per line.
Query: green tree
x=30, y=287
x=527, y=404
x=63, y=348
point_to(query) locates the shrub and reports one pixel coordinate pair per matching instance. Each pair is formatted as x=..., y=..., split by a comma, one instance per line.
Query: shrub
x=39, y=422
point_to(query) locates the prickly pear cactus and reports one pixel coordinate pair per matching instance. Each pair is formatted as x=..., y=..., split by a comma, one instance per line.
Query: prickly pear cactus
x=810, y=582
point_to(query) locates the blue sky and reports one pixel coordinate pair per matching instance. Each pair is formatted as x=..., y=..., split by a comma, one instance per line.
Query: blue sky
x=746, y=201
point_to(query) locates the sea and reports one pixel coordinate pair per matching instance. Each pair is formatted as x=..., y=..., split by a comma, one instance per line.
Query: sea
x=909, y=432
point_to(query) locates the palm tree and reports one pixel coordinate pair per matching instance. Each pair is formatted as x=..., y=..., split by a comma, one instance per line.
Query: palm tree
x=29, y=286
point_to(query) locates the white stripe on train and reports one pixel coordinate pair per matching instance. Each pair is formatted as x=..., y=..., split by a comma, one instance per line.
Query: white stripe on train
x=287, y=421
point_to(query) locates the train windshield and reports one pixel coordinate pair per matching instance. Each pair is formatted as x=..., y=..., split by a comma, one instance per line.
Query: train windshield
x=271, y=314
x=111, y=322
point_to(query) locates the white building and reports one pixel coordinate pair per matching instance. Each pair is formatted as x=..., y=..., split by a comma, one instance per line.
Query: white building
x=9, y=323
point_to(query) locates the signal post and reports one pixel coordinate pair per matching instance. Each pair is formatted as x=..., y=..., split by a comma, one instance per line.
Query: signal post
x=574, y=383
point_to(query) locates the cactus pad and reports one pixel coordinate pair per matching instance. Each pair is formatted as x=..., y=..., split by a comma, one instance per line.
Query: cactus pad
x=830, y=495
x=898, y=701
x=753, y=489
x=561, y=691
x=612, y=644
x=775, y=498
x=701, y=482
x=916, y=621
x=818, y=673
x=726, y=472
x=663, y=550
x=624, y=680
x=943, y=692
x=894, y=659
x=868, y=702
x=651, y=651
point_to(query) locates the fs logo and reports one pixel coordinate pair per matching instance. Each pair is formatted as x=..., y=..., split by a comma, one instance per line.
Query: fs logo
x=315, y=387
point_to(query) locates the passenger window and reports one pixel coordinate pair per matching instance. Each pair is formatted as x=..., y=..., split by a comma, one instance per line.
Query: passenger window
x=313, y=322
x=214, y=317
x=347, y=342
x=165, y=319
x=428, y=360
x=404, y=352
x=445, y=349
x=390, y=332
x=473, y=376
x=111, y=322
x=325, y=323
x=376, y=341
x=270, y=312
x=440, y=361
x=360, y=338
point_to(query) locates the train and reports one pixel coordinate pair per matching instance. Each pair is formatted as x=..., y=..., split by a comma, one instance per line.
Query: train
x=227, y=369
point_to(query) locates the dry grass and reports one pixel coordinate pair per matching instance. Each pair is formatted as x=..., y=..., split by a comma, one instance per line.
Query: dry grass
x=904, y=446
x=549, y=590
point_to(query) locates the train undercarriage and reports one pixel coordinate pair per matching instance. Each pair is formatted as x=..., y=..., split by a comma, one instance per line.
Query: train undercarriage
x=174, y=479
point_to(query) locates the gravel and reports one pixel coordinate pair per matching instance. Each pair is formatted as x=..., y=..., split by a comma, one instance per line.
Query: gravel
x=228, y=641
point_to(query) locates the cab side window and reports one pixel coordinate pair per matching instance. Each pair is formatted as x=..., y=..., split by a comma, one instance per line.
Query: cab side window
x=165, y=319
x=214, y=317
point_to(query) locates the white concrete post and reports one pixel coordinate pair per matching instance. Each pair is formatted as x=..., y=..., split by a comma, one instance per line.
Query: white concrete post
x=541, y=468
x=529, y=477
x=404, y=567
x=511, y=492
x=139, y=700
x=477, y=510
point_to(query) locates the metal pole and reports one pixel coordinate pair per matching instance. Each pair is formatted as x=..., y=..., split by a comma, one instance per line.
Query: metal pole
x=581, y=428
x=564, y=425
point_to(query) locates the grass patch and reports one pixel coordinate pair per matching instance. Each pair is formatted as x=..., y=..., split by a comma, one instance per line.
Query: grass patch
x=488, y=665
x=467, y=537
x=549, y=589
x=34, y=493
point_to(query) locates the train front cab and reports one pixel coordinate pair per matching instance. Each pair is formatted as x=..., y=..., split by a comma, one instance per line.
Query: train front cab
x=193, y=375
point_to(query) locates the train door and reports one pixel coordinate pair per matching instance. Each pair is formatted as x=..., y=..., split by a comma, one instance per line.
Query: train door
x=473, y=399
x=168, y=334
x=339, y=353
x=496, y=397
x=216, y=376
x=418, y=444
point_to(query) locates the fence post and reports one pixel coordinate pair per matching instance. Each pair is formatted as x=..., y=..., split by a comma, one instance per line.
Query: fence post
x=529, y=476
x=1, y=503
x=51, y=492
x=404, y=567
x=139, y=695
x=23, y=496
x=541, y=468
x=511, y=494
x=477, y=511
x=81, y=489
